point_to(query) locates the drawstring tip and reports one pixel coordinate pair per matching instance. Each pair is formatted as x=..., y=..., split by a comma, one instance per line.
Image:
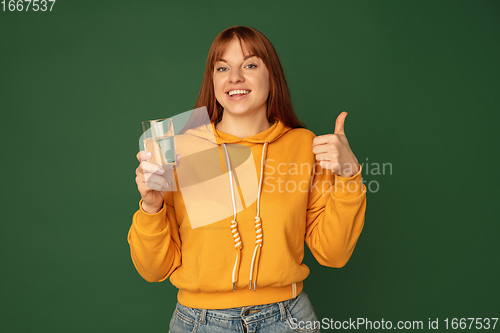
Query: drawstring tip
x=254, y=285
x=234, y=286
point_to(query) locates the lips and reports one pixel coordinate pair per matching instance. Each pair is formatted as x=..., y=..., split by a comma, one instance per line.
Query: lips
x=236, y=97
x=237, y=89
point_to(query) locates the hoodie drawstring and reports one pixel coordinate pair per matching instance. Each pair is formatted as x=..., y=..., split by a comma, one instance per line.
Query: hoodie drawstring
x=259, y=235
x=234, y=225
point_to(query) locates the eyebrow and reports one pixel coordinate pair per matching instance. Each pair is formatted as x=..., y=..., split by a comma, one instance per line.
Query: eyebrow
x=248, y=56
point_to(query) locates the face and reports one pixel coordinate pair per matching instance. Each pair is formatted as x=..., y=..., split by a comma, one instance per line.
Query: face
x=241, y=81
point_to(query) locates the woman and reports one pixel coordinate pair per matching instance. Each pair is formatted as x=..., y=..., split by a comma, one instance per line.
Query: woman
x=244, y=272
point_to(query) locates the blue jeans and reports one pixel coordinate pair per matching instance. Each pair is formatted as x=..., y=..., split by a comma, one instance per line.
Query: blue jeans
x=293, y=315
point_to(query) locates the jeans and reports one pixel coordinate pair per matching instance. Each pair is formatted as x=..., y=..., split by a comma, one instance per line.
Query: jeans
x=293, y=315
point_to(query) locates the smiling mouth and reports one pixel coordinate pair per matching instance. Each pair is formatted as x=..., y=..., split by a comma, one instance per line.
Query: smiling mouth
x=238, y=93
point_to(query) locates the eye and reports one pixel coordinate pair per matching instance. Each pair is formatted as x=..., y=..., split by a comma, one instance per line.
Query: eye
x=253, y=66
x=221, y=69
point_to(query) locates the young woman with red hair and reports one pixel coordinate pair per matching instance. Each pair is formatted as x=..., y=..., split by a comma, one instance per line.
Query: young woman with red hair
x=247, y=99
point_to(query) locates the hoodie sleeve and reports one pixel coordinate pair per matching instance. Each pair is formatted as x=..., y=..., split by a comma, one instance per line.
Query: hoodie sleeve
x=155, y=245
x=335, y=216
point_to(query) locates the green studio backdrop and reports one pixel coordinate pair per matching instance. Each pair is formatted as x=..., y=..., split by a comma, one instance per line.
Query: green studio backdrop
x=419, y=80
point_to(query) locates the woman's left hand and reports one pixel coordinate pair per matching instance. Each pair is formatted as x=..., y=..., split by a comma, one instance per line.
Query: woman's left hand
x=333, y=152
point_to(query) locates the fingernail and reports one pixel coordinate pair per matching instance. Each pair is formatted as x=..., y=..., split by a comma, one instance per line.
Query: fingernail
x=161, y=170
x=148, y=153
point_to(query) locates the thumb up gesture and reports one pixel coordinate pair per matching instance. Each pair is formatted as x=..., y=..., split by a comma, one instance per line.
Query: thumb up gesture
x=332, y=151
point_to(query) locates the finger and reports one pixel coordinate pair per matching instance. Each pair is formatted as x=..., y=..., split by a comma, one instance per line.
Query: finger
x=151, y=167
x=152, y=186
x=339, y=123
x=143, y=155
x=323, y=157
x=322, y=139
x=320, y=149
x=325, y=149
x=157, y=183
x=327, y=139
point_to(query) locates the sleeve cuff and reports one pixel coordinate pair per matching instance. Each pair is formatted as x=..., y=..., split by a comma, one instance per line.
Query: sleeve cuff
x=349, y=187
x=152, y=223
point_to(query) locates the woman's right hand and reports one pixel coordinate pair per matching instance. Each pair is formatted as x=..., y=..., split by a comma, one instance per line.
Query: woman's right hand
x=153, y=182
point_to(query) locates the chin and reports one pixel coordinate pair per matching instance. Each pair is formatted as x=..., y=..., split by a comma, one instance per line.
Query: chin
x=240, y=110
x=237, y=111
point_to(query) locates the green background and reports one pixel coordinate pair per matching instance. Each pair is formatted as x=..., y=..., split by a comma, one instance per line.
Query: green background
x=420, y=80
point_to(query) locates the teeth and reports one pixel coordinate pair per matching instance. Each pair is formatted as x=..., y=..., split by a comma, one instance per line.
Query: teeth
x=232, y=92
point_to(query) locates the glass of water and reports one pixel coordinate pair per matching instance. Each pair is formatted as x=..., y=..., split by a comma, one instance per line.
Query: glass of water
x=158, y=138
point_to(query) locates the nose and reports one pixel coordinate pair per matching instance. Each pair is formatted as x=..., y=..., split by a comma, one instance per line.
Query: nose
x=236, y=76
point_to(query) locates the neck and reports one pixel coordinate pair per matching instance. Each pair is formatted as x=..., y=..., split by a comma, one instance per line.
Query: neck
x=243, y=126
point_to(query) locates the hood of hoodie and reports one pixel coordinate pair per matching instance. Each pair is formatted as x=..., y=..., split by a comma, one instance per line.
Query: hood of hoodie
x=209, y=132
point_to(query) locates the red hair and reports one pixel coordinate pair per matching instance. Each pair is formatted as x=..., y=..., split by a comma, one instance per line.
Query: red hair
x=279, y=105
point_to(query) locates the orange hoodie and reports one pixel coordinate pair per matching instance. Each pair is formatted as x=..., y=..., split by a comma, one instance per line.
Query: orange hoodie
x=233, y=232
